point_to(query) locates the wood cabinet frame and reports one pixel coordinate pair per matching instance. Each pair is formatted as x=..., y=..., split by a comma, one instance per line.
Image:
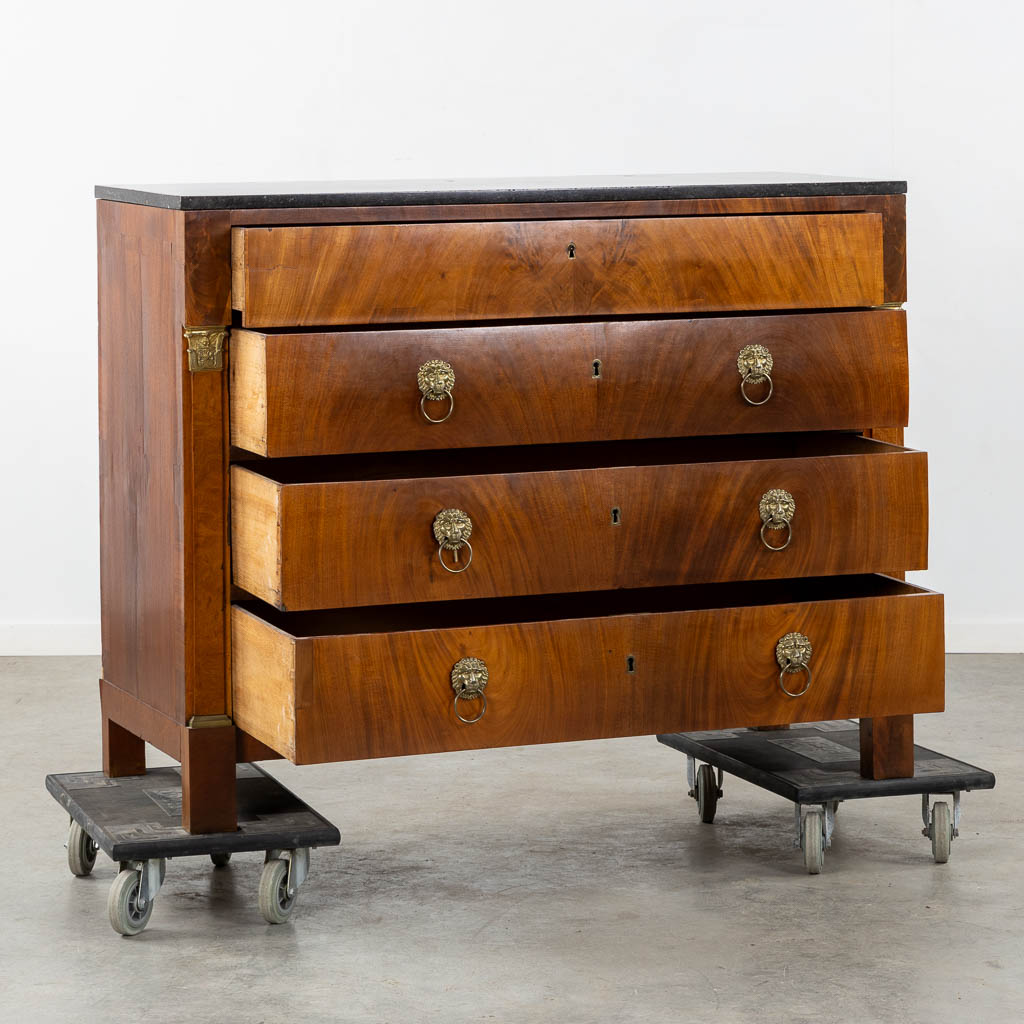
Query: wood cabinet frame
x=164, y=458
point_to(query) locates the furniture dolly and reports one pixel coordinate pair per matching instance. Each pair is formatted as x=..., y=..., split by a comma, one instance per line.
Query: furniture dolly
x=816, y=766
x=136, y=822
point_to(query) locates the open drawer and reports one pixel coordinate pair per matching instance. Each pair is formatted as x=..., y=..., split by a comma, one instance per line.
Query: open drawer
x=378, y=529
x=377, y=682
x=341, y=391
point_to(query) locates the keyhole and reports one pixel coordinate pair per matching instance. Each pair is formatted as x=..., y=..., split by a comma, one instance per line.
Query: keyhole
x=616, y=517
x=597, y=367
x=571, y=250
x=630, y=664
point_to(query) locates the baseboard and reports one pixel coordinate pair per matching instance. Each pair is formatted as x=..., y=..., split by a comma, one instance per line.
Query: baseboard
x=23, y=639
x=20, y=639
x=1005, y=637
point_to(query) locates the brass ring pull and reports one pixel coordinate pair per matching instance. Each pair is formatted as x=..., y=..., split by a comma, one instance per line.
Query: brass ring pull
x=798, y=693
x=469, y=680
x=462, y=568
x=793, y=653
x=435, y=379
x=452, y=529
x=756, y=380
x=755, y=364
x=428, y=417
x=769, y=524
x=777, y=508
x=471, y=695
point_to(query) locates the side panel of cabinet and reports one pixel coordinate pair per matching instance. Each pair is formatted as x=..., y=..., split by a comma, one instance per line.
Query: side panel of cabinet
x=142, y=538
x=163, y=463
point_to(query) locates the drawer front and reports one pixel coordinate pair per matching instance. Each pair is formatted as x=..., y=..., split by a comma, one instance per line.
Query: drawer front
x=331, y=698
x=340, y=392
x=365, y=542
x=401, y=273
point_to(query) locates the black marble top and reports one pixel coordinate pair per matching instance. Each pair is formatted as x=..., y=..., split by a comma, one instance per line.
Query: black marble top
x=450, y=191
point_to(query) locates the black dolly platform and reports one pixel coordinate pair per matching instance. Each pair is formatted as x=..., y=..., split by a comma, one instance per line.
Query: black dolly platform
x=817, y=765
x=136, y=821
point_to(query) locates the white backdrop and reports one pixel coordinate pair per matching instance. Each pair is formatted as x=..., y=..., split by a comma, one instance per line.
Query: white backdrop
x=130, y=92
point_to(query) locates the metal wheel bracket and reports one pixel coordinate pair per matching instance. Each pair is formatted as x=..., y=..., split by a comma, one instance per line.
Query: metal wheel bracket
x=691, y=778
x=830, y=822
x=828, y=817
x=298, y=866
x=151, y=877
x=926, y=814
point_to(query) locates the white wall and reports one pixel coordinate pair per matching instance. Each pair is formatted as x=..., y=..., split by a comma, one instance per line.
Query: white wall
x=130, y=92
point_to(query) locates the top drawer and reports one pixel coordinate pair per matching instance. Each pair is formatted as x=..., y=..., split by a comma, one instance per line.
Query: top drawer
x=402, y=273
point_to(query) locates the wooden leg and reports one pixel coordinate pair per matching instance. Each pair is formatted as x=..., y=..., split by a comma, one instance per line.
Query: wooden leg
x=887, y=747
x=124, y=753
x=208, y=780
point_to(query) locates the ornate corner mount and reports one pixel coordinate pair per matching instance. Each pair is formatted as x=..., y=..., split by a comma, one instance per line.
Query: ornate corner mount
x=205, y=348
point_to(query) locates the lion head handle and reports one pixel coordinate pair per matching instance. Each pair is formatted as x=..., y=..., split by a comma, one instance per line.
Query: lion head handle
x=777, y=508
x=435, y=378
x=755, y=363
x=452, y=528
x=793, y=652
x=469, y=676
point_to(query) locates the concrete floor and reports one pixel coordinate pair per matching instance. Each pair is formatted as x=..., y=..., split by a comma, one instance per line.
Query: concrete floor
x=568, y=883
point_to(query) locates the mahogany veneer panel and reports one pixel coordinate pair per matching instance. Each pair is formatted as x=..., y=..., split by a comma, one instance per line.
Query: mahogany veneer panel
x=861, y=507
x=318, y=698
x=355, y=391
x=141, y=426
x=391, y=273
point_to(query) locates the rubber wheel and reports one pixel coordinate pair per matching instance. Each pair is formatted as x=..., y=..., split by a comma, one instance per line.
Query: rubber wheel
x=276, y=905
x=707, y=793
x=81, y=851
x=126, y=916
x=220, y=860
x=942, y=832
x=813, y=842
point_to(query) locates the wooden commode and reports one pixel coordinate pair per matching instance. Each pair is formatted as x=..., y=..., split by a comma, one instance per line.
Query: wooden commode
x=404, y=467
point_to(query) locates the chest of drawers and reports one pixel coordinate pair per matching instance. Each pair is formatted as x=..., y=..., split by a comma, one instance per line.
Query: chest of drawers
x=402, y=468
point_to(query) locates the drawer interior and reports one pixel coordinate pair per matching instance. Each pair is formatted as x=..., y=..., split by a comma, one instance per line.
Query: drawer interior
x=542, y=458
x=562, y=607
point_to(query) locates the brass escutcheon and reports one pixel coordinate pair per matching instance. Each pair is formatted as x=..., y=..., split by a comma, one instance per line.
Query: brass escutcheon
x=452, y=529
x=469, y=680
x=755, y=364
x=777, y=509
x=436, y=379
x=793, y=653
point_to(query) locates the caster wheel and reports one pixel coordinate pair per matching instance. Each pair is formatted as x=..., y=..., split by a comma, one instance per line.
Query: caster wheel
x=276, y=905
x=813, y=842
x=81, y=851
x=707, y=793
x=941, y=832
x=220, y=860
x=126, y=916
